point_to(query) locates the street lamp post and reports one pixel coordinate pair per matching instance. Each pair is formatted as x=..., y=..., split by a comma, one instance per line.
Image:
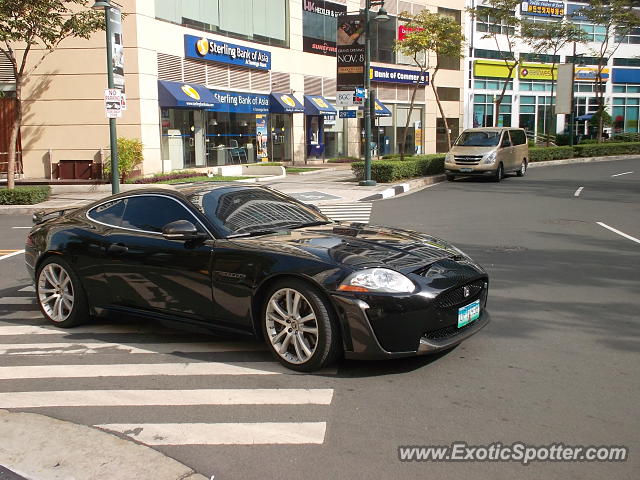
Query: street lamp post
x=115, y=173
x=381, y=16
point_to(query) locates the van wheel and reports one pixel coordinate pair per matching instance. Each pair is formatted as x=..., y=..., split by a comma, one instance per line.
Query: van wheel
x=499, y=173
x=522, y=171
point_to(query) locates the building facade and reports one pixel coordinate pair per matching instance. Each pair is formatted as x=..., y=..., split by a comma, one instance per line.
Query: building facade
x=528, y=101
x=213, y=82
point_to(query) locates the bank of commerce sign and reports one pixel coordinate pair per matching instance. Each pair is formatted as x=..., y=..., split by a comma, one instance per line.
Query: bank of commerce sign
x=542, y=8
x=224, y=52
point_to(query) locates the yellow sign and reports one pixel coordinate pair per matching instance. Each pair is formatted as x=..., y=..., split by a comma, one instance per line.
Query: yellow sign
x=189, y=90
x=489, y=68
x=537, y=71
x=589, y=74
x=288, y=100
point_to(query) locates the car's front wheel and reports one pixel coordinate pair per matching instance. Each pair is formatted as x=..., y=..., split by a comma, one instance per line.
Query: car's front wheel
x=499, y=174
x=60, y=295
x=299, y=326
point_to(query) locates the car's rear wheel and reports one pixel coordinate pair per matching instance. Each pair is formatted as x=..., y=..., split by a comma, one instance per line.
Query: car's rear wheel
x=299, y=326
x=523, y=169
x=59, y=293
x=499, y=173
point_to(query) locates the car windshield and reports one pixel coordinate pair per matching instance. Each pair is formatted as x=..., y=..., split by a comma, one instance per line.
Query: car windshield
x=245, y=211
x=478, y=139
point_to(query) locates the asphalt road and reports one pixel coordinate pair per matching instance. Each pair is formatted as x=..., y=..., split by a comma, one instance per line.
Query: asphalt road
x=558, y=363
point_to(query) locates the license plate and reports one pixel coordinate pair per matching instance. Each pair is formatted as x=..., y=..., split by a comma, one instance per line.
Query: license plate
x=468, y=313
x=465, y=170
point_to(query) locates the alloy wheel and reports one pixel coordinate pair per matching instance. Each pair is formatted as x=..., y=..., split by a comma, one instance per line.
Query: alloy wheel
x=291, y=326
x=55, y=292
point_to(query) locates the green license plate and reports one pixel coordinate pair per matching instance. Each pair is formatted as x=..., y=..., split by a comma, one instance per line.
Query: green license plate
x=468, y=313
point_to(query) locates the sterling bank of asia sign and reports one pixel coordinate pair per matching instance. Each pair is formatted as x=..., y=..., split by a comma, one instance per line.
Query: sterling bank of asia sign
x=225, y=52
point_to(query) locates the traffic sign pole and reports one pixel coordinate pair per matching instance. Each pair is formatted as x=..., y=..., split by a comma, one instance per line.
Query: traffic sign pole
x=113, y=136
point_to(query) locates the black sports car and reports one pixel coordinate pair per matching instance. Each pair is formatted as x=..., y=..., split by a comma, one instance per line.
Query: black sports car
x=248, y=259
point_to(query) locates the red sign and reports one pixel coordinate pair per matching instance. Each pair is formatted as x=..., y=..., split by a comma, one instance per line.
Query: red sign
x=404, y=30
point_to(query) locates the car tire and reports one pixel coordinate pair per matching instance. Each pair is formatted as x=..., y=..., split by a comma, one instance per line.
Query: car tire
x=299, y=344
x=451, y=178
x=522, y=171
x=60, y=295
x=499, y=175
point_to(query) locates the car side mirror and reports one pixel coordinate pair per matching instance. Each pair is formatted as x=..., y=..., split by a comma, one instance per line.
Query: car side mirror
x=181, y=230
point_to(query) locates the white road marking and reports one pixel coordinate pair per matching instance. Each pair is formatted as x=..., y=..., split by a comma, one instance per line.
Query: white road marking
x=623, y=173
x=97, y=329
x=106, y=347
x=121, y=398
x=222, y=433
x=622, y=234
x=127, y=370
x=17, y=301
x=11, y=254
x=21, y=227
x=30, y=288
x=577, y=193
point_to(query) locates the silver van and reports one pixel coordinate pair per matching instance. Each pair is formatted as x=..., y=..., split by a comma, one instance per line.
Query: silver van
x=489, y=152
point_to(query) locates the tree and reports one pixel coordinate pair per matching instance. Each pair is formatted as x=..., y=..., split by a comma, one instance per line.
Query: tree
x=503, y=26
x=38, y=27
x=431, y=38
x=549, y=38
x=130, y=155
x=618, y=19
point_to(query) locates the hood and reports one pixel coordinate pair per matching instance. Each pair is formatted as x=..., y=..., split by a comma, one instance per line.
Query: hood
x=359, y=246
x=458, y=150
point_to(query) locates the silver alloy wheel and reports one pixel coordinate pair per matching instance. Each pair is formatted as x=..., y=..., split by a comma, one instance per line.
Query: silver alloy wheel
x=55, y=292
x=523, y=168
x=291, y=326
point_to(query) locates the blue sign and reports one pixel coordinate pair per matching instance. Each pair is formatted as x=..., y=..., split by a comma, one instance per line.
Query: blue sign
x=347, y=113
x=185, y=95
x=224, y=52
x=542, y=8
x=397, y=75
x=240, y=102
x=626, y=75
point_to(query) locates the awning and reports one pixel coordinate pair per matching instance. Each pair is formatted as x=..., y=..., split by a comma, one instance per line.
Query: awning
x=318, y=105
x=584, y=118
x=284, y=103
x=184, y=95
x=381, y=109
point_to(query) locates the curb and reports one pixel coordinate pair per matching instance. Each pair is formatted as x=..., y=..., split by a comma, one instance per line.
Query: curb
x=570, y=161
x=43, y=448
x=405, y=187
x=320, y=170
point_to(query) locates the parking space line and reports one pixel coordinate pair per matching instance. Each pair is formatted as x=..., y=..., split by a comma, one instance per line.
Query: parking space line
x=623, y=173
x=578, y=191
x=12, y=254
x=21, y=227
x=622, y=234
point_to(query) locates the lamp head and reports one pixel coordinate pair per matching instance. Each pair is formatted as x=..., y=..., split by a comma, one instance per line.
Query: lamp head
x=100, y=4
x=382, y=16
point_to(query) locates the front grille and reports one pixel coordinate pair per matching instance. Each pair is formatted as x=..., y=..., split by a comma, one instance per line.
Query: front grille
x=467, y=159
x=457, y=296
x=446, y=332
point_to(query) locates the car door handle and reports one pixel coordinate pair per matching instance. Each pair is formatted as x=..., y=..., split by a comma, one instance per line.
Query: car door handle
x=117, y=248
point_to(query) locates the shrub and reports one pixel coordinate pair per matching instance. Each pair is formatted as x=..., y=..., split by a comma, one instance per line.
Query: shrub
x=24, y=195
x=163, y=177
x=343, y=160
x=625, y=137
x=605, y=149
x=129, y=157
x=385, y=171
x=542, y=154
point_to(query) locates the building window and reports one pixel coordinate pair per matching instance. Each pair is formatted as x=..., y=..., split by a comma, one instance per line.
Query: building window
x=495, y=54
x=625, y=114
x=490, y=83
x=484, y=110
x=261, y=21
x=539, y=57
x=582, y=60
x=485, y=22
x=632, y=37
x=536, y=116
x=535, y=86
x=594, y=33
x=626, y=62
x=626, y=88
x=449, y=94
x=383, y=38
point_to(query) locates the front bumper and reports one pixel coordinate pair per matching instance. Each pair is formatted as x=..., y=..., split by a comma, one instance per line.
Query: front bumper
x=362, y=342
x=456, y=170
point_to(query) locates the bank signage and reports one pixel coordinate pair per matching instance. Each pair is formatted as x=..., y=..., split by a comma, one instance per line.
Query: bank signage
x=542, y=8
x=218, y=51
x=397, y=75
x=240, y=102
x=590, y=73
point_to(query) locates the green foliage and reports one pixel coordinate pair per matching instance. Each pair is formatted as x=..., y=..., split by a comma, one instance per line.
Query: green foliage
x=342, y=160
x=24, y=195
x=606, y=149
x=625, y=137
x=607, y=121
x=129, y=157
x=542, y=154
x=385, y=171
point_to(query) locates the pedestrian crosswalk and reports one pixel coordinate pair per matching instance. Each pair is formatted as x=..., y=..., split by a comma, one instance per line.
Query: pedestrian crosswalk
x=97, y=373
x=348, y=212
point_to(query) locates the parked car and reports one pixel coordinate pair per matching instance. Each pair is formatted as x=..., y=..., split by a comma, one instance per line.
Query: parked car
x=489, y=152
x=250, y=260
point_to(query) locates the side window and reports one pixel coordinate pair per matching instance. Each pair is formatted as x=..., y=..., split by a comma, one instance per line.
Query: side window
x=151, y=213
x=506, y=142
x=109, y=213
x=518, y=137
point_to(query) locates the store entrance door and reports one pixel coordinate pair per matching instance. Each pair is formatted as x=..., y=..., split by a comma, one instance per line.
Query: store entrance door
x=281, y=139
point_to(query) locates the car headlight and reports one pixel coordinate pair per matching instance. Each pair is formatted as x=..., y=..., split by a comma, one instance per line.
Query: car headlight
x=449, y=158
x=489, y=158
x=377, y=280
